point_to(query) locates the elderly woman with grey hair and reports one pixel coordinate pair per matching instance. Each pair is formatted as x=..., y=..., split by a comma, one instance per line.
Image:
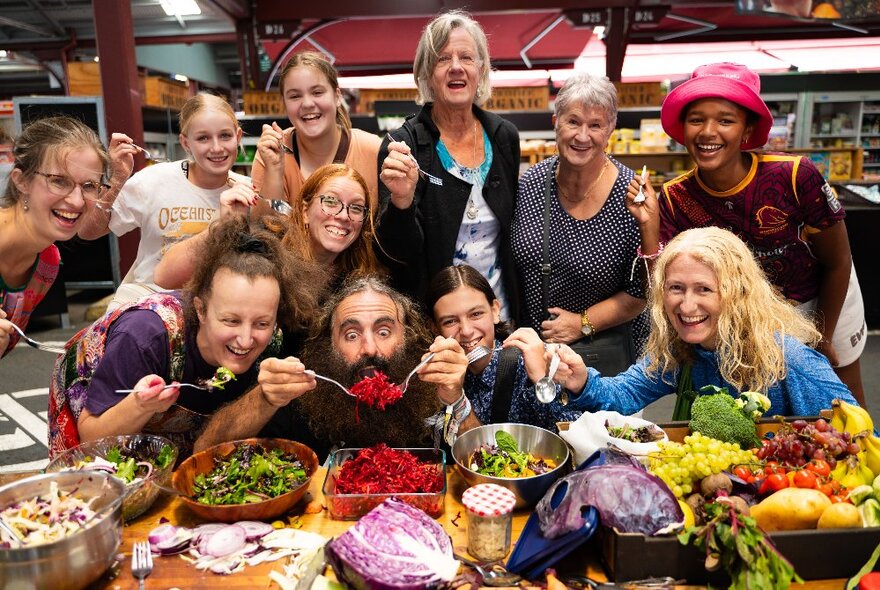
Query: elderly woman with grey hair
x=592, y=239
x=451, y=170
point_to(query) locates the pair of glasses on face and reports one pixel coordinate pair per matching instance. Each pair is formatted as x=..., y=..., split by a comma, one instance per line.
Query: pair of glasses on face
x=333, y=206
x=444, y=61
x=61, y=186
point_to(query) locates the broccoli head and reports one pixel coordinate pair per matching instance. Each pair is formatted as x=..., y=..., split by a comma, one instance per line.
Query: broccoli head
x=717, y=415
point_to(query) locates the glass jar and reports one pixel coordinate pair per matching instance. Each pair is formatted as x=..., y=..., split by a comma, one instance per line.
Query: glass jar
x=489, y=510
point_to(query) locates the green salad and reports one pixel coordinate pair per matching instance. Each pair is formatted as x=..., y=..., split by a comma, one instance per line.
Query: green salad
x=221, y=377
x=125, y=466
x=504, y=459
x=249, y=474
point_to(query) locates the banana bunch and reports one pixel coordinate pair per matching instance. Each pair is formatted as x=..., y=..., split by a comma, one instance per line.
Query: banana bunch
x=850, y=418
x=870, y=445
x=853, y=472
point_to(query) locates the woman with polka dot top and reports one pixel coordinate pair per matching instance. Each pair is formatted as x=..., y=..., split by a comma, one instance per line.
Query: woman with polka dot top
x=593, y=239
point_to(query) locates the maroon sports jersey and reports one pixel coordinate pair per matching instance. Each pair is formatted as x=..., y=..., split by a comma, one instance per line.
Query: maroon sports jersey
x=781, y=201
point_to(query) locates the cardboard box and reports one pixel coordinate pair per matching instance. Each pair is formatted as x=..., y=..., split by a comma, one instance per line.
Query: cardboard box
x=164, y=93
x=815, y=555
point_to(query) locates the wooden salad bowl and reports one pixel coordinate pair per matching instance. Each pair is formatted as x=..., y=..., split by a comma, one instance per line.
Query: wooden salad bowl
x=203, y=462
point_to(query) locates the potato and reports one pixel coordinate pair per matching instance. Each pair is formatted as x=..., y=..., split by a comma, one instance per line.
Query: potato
x=790, y=509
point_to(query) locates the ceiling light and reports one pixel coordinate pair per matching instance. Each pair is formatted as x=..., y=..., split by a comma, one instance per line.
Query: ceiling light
x=97, y=59
x=180, y=7
x=599, y=32
x=3, y=54
x=181, y=78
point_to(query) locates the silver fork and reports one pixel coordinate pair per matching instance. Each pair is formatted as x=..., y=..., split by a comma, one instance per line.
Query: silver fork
x=149, y=156
x=141, y=562
x=429, y=177
x=169, y=386
x=38, y=345
x=477, y=353
x=333, y=381
x=405, y=383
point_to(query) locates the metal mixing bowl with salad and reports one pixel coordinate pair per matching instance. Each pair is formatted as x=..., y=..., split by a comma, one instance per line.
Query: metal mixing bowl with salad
x=504, y=459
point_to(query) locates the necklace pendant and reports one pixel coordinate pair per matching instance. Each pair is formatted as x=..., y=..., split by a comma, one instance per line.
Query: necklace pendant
x=472, y=210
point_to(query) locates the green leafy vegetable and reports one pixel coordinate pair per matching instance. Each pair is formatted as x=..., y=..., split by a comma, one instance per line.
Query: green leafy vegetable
x=249, y=474
x=165, y=457
x=114, y=455
x=506, y=442
x=735, y=542
x=125, y=470
x=221, y=377
x=504, y=459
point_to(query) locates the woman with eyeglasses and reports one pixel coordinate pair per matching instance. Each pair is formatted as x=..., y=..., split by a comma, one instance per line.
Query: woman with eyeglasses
x=172, y=201
x=56, y=178
x=331, y=223
x=450, y=173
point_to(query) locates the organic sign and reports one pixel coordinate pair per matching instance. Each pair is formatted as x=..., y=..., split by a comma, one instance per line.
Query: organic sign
x=258, y=102
x=640, y=94
x=527, y=98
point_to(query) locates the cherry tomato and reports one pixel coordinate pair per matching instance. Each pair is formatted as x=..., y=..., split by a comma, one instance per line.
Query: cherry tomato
x=805, y=479
x=827, y=489
x=820, y=467
x=836, y=498
x=774, y=483
x=743, y=472
x=773, y=467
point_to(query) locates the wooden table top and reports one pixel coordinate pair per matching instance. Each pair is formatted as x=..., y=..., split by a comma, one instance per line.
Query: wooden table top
x=174, y=572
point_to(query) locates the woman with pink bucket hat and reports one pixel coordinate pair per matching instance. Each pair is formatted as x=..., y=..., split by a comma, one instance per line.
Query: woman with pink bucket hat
x=779, y=204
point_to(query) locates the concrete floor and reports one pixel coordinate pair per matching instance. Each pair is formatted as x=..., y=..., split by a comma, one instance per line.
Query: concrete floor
x=25, y=374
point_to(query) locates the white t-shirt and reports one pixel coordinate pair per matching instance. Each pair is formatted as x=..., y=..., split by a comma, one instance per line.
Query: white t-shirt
x=167, y=208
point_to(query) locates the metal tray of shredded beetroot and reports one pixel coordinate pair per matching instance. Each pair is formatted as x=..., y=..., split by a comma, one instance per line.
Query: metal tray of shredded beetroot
x=351, y=506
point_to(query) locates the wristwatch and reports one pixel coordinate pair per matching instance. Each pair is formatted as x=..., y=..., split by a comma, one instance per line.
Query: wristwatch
x=587, y=326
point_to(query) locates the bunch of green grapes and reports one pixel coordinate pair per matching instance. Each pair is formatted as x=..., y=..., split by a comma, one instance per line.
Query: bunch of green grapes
x=680, y=465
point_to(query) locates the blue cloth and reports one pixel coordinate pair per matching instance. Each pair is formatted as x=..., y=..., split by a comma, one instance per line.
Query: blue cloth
x=524, y=406
x=809, y=385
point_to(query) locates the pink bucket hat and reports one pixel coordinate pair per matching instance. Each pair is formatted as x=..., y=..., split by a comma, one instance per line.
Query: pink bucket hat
x=730, y=81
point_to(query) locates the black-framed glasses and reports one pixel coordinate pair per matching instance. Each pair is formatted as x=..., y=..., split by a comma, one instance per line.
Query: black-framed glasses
x=61, y=186
x=333, y=206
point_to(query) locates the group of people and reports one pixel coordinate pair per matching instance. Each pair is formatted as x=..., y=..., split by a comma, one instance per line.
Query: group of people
x=746, y=281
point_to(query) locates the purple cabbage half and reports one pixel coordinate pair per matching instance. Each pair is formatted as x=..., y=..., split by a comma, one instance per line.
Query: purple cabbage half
x=628, y=498
x=393, y=547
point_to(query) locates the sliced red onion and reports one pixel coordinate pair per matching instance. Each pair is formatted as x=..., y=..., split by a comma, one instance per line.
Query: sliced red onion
x=206, y=530
x=162, y=533
x=227, y=540
x=255, y=529
x=149, y=467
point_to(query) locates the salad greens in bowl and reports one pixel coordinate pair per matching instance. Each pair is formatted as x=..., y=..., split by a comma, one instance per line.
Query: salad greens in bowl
x=523, y=458
x=142, y=461
x=251, y=479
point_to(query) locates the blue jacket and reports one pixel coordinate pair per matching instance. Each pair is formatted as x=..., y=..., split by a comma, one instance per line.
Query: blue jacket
x=809, y=385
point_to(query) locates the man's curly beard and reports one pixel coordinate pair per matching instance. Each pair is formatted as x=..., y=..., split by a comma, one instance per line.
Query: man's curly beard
x=332, y=416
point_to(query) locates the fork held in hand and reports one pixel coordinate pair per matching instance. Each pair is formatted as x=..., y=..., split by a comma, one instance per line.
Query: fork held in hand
x=141, y=562
x=405, y=383
x=38, y=345
x=429, y=177
x=168, y=386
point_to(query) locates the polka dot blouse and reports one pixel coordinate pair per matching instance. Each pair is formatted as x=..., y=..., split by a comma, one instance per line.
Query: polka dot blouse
x=590, y=258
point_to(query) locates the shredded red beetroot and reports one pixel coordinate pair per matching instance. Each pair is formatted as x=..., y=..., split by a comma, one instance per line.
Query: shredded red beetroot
x=376, y=392
x=382, y=470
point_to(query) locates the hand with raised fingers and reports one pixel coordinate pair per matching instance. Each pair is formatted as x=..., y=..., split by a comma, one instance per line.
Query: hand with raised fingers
x=284, y=380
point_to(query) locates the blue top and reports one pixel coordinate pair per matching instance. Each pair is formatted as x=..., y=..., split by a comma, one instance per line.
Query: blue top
x=524, y=406
x=809, y=385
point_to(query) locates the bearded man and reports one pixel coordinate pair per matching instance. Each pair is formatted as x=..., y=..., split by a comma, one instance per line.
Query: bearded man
x=365, y=327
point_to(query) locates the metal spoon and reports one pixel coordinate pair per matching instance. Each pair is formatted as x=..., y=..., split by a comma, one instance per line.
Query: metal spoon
x=277, y=205
x=545, y=388
x=9, y=532
x=496, y=576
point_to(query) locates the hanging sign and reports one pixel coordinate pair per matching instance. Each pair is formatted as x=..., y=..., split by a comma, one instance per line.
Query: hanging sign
x=258, y=102
x=639, y=94
x=525, y=98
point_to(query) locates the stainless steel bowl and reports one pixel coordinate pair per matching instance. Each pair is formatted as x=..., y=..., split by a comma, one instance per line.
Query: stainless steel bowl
x=144, y=447
x=531, y=439
x=77, y=560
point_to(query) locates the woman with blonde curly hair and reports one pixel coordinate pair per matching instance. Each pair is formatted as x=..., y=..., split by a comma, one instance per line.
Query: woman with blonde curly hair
x=716, y=321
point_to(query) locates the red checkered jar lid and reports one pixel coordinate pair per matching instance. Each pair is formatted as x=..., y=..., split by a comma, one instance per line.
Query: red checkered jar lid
x=488, y=499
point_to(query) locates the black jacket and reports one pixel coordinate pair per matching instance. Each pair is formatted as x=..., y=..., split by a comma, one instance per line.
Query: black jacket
x=418, y=242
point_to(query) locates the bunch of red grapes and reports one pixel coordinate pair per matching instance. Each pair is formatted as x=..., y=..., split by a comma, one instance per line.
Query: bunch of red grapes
x=799, y=442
